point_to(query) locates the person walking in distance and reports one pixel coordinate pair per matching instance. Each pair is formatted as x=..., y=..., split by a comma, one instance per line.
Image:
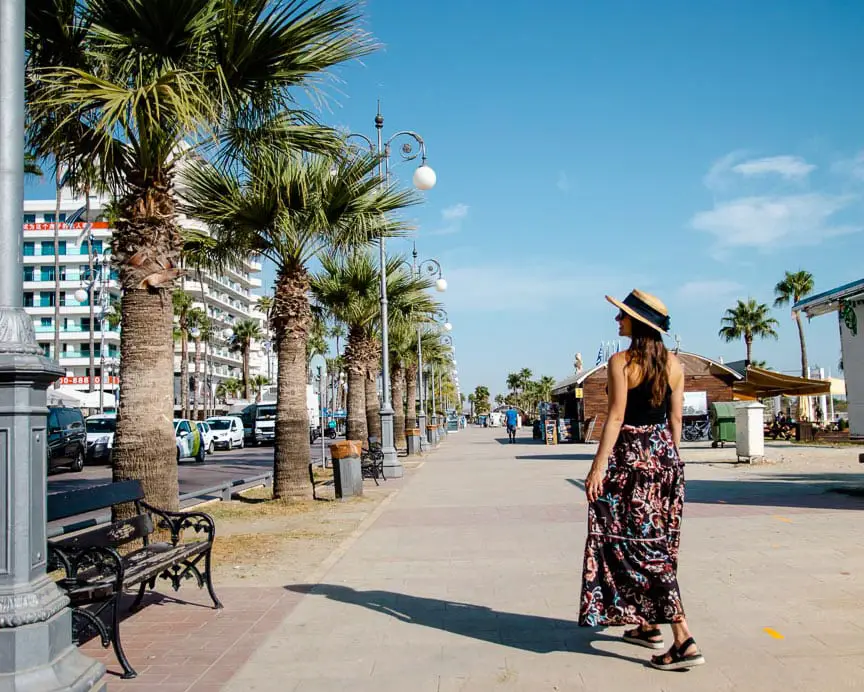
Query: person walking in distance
x=635, y=491
x=512, y=417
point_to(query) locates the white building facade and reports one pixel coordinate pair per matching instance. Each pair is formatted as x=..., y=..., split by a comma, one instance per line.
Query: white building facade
x=84, y=266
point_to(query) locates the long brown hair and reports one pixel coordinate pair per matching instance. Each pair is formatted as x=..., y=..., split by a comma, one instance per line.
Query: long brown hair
x=649, y=353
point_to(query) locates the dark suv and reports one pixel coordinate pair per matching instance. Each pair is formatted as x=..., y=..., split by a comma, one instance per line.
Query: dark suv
x=67, y=438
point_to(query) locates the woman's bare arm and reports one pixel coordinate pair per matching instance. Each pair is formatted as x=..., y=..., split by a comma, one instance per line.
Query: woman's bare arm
x=676, y=404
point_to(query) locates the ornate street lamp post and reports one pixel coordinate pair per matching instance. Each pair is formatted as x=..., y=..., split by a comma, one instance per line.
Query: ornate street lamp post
x=36, y=649
x=424, y=179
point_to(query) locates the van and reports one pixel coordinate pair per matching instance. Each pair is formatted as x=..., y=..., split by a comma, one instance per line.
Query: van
x=67, y=438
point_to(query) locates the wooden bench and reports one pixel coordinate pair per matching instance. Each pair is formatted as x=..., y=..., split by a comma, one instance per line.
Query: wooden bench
x=96, y=573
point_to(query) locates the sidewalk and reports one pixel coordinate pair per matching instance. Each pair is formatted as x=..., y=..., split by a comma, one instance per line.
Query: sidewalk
x=469, y=580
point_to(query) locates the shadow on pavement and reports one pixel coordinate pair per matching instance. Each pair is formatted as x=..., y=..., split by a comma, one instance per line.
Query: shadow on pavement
x=557, y=457
x=533, y=633
x=804, y=491
x=519, y=441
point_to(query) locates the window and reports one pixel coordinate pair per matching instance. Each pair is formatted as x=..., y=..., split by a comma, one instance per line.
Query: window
x=61, y=247
x=97, y=246
x=47, y=248
x=46, y=321
x=46, y=349
x=29, y=218
x=62, y=295
x=49, y=218
x=46, y=299
x=28, y=272
x=28, y=299
x=85, y=324
x=29, y=249
x=46, y=273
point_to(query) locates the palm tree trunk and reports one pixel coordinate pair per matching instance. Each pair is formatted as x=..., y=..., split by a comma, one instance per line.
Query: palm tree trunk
x=144, y=444
x=410, y=396
x=247, y=385
x=198, y=415
x=373, y=408
x=398, y=390
x=291, y=455
x=805, y=367
x=184, y=369
x=354, y=364
x=748, y=342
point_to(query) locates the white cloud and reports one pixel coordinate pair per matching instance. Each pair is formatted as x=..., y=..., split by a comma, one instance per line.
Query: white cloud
x=852, y=168
x=718, y=176
x=788, y=167
x=563, y=182
x=767, y=222
x=455, y=213
x=708, y=289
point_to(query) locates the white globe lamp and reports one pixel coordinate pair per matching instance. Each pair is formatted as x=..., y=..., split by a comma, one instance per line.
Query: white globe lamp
x=80, y=295
x=425, y=178
x=441, y=285
x=194, y=332
x=228, y=333
x=448, y=327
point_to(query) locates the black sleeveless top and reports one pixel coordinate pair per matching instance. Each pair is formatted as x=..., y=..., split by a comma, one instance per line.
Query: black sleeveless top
x=639, y=410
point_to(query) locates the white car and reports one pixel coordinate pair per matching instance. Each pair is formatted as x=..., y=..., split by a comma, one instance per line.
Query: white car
x=206, y=435
x=227, y=432
x=100, y=437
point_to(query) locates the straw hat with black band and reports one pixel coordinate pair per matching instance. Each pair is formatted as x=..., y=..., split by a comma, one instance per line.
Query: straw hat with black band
x=646, y=308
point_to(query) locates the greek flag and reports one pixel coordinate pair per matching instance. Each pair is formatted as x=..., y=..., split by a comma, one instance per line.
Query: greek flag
x=599, y=355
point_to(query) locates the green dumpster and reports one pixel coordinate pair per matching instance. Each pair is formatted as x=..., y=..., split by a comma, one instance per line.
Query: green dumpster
x=722, y=423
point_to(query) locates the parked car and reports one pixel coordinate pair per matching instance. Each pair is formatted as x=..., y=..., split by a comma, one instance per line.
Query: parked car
x=100, y=437
x=227, y=432
x=189, y=442
x=206, y=435
x=67, y=438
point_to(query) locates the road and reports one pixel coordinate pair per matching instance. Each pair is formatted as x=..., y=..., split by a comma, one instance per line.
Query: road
x=219, y=467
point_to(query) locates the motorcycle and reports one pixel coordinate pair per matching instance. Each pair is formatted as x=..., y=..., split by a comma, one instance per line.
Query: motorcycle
x=331, y=433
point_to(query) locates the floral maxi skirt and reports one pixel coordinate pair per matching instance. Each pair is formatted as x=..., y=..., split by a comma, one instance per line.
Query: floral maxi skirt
x=631, y=555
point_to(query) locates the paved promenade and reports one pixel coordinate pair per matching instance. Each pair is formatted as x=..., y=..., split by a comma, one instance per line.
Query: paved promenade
x=468, y=580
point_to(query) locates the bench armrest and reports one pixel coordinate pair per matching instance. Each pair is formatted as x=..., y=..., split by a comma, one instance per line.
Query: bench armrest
x=176, y=522
x=105, y=559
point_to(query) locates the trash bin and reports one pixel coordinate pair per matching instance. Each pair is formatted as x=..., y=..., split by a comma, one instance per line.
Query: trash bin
x=804, y=431
x=347, y=471
x=722, y=423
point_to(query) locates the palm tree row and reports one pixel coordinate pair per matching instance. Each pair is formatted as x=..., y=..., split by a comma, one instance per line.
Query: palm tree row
x=525, y=392
x=750, y=319
x=188, y=106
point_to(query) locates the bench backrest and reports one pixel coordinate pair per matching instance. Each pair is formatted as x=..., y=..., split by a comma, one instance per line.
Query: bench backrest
x=110, y=535
x=75, y=502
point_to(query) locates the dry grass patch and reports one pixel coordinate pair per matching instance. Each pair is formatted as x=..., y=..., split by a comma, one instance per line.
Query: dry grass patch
x=259, y=502
x=257, y=548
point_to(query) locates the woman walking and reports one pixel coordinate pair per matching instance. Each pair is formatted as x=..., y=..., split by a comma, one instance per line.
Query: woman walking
x=635, y=492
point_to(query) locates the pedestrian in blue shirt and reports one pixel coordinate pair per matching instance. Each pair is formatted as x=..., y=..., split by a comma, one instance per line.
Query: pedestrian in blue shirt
x=512, y=417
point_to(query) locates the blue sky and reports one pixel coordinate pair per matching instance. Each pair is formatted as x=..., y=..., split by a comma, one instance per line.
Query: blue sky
x=694, y=150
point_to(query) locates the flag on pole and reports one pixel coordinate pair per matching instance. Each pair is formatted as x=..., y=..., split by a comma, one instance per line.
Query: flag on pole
x=600, y=355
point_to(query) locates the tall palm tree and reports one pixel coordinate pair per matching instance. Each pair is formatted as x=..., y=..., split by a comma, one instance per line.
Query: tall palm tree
x=245, y=332
x=793, y=287
x=164, y=76
x=230, y=387
x=349, y=290
x=747, y=321
x=31, y=165
x=544, y=386
x=290, y=209
x=258, y=384
x=182, y=306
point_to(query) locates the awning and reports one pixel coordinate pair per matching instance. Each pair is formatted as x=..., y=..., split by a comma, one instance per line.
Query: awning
x=761, y=384
x=75, y=398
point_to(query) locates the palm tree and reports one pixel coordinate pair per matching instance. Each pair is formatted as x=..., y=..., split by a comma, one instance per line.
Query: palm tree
x=290, y=209
x=499, y=399
x=182, y=306
x=748, y=320
x=229, y=388
x=471, y=403
x=349, y=290
x=544, y=386
x=794, y=287
x=245, y=332
x=149, y=88
x=258, y=384
x=31, y=165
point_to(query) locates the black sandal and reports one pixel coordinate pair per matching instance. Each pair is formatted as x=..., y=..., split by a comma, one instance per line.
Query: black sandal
x=643, y=637
x=675, y=659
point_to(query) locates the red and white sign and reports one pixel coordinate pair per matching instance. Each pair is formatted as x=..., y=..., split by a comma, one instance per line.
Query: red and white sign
x=84, y=379
x=77, y=226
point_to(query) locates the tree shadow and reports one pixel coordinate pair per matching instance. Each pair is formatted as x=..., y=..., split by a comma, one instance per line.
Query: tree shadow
x=557, y=457
x=534, y=633
x=519, y=441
